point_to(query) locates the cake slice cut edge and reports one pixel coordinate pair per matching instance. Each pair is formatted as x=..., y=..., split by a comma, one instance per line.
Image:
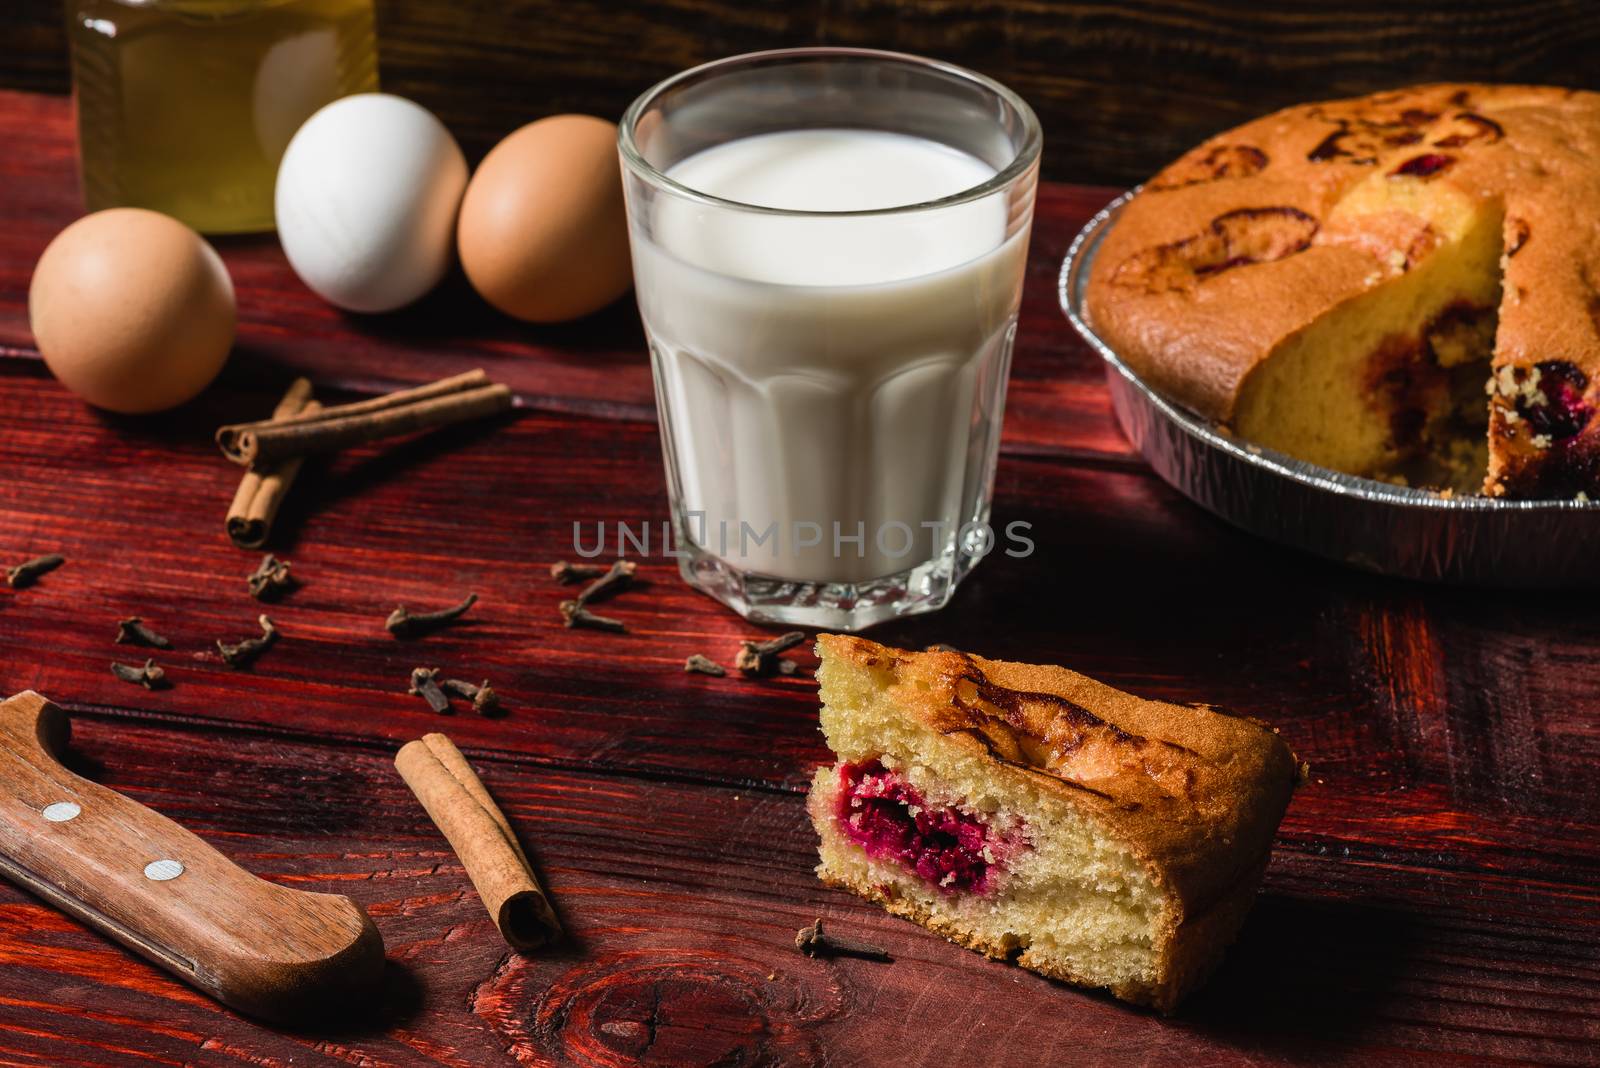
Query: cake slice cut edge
x=1032, y=813
x=1389, y=383
x=1401, y=286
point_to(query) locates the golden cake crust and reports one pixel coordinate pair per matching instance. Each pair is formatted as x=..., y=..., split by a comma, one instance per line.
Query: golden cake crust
x=1194, y=793
x=1236, y=246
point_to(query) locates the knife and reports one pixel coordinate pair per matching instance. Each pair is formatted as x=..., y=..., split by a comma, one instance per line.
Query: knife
x=287, y=956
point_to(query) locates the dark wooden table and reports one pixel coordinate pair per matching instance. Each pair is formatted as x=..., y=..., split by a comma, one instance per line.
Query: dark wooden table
x=1432, y=899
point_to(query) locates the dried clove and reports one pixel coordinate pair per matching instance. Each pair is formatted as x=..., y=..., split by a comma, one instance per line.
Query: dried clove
x=242, y=654
x=270, y=579
x=576, y=611
x=704, y=665
x=424, y=684
x=404, y=624
x=27, y=573
x=150, y=676
x=577, y=615
x=760, y=659
x=132, y=631
x=564, y=572
x=484, y=699
x=616, y=578
x=813, y=943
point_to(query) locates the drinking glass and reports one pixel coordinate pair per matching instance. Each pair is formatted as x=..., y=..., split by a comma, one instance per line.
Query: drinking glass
x=830, y=383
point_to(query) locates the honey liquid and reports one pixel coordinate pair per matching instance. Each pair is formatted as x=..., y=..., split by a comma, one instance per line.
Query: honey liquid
x=186, y=106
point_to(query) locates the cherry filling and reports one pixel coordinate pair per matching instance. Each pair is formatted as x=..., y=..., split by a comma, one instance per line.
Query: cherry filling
x=955, y=851
x=1424, y=166
x=1564, y=412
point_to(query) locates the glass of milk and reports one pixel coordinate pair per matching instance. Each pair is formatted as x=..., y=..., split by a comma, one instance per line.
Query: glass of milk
x=828, y=251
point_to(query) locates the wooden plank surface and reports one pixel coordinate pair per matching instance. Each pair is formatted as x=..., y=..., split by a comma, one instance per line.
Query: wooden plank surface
x=1433, y=897
x=1122, y=88
x=682, y=900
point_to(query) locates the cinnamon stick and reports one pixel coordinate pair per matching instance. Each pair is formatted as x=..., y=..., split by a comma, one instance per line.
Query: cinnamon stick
x=449, y=400
x=481, y=836
x=261, y=492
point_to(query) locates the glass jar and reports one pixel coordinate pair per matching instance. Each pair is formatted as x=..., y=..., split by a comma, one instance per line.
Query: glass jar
x=186, y=106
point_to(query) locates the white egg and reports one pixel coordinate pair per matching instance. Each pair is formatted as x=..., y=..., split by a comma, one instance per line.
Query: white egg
x=366, y=201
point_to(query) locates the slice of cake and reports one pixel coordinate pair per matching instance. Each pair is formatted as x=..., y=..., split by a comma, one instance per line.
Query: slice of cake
x=1346, y=281
x=1019, y=810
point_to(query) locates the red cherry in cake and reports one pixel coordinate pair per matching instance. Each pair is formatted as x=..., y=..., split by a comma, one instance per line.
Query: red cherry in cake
x=888, y=817
x=1424, y=166
x=1564, y=412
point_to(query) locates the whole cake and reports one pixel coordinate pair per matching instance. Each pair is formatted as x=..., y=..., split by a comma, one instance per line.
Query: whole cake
x=1346, y=281
x=1033, y=812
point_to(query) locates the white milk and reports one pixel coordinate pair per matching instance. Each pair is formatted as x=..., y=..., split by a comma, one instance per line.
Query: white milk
x=820, y=373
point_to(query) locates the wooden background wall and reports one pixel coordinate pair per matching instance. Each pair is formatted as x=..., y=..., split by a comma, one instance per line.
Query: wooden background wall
x=1121, y=86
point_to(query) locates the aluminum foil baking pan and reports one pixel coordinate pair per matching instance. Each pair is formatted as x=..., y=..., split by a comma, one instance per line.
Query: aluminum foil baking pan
x=1393, y=530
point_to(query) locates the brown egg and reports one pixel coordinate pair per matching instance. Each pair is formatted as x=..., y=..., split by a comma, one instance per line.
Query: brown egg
x=542, y=233
x=132, y=310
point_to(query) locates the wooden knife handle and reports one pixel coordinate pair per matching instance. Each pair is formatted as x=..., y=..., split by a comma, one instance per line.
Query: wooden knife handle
x=285, y=955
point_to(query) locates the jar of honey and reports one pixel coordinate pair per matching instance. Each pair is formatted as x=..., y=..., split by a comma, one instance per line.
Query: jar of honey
x=186, y=106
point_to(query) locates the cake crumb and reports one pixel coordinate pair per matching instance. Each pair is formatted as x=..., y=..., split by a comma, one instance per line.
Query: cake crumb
x=1530, y=386
x=1541, y=441
x=1518, y=383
